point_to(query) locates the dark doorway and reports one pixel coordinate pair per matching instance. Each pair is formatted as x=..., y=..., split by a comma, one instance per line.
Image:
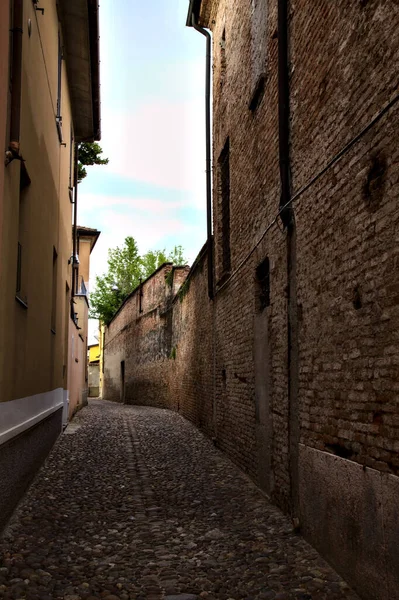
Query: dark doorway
x=123, y=382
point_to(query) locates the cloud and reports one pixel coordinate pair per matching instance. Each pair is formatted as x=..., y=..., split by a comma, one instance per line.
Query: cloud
x=160, y=143
x=155, y=224
x=147, y=205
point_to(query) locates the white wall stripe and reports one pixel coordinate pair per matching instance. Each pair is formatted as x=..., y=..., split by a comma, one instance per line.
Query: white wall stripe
x=19, y=415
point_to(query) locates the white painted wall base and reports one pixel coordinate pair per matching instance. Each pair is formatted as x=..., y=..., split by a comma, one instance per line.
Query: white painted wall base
x=19, y=415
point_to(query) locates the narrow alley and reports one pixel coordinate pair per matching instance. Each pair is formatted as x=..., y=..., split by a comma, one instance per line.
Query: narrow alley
x=135, y=503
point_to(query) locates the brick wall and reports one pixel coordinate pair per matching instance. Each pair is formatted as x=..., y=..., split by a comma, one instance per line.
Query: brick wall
x=339, y=267
x=167, y=349
x=300, y=392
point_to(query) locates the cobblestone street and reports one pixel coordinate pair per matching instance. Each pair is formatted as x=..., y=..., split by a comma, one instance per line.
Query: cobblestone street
x=135, y=503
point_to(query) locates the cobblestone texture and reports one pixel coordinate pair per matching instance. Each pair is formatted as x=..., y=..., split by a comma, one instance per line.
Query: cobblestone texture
x=137, y=504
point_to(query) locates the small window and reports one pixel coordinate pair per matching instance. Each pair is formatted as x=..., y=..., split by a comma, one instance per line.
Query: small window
x=263, y=285
x=224, y=192
x=258, y=94
x=23, y=232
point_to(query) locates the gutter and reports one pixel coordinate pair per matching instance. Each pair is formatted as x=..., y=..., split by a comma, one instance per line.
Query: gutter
x=16, y=74
x=94, y=36
x=75, y=226
x=284, y=113
x=192, y=22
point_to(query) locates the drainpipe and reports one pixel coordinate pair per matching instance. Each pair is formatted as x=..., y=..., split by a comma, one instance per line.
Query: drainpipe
x=75, y=226
x=15, y=120
x=288, y=219
x=284, y=112
x=206, y=33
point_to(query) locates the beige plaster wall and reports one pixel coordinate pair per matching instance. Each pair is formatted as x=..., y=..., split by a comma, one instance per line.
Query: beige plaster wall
x=32, y=355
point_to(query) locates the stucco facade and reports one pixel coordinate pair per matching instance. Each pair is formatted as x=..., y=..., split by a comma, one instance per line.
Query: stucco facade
x=38, y=127
x=78, y=381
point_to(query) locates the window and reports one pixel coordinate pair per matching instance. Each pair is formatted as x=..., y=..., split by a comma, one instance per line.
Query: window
x=263, y=284
x=23, y=229
x=58, y=118
x=258, y=94
x=224, y=193
x=54, y=293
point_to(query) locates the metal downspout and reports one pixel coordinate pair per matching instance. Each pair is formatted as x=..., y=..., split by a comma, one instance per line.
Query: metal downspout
x=208, y=154
x=284, y=111
x=288, y=219
x=16, y=73
x=75, y=226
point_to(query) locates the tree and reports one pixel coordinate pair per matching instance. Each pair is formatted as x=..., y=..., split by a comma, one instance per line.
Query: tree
x=89, y=154
x=126, y=268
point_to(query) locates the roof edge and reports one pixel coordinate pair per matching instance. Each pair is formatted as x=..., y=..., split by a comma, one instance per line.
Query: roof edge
x=94, y=37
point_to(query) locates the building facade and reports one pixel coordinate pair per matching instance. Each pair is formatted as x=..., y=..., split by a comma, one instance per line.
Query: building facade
x=78, y=375
x=305, y=165
x=49, y=102
x=93, y=359
x=292, y=366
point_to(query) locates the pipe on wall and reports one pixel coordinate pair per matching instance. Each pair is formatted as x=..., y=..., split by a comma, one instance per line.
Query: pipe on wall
x=75, y=223
x=284, y=113
x=288, y=218
x=208, y=153
x=16, y=75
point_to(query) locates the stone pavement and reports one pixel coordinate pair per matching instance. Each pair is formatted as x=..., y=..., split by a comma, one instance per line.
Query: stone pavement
x=137, y=504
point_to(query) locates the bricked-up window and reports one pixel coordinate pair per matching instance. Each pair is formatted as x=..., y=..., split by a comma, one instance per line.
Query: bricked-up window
x=224, y=187
x=263, y=284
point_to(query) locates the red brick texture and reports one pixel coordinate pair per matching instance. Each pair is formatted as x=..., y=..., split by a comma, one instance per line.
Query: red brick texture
x=167, y=349
x=302, y=394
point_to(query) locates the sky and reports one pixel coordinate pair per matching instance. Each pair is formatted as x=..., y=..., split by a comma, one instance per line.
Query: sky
x=153, y=132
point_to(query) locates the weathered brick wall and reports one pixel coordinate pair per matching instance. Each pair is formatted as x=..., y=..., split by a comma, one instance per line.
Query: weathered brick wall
x=251, y=49
x=191, y=372
x=344, y=59
x=304, y=389
x=138, y=336
x=347, y=254
x=167, y=348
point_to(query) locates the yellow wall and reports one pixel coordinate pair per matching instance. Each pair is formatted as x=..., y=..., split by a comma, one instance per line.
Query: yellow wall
x=94, y=353
x=101, y=344
x=77, y=370
x=84, y=260
x=33, y=357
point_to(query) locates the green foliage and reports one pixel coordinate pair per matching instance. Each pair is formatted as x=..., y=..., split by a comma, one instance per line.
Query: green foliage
x=89, y=154
x=169, y=278
x=152, y=260
x=177, y=256
x=125, y=270
x=173, y=353
x=183, y=291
